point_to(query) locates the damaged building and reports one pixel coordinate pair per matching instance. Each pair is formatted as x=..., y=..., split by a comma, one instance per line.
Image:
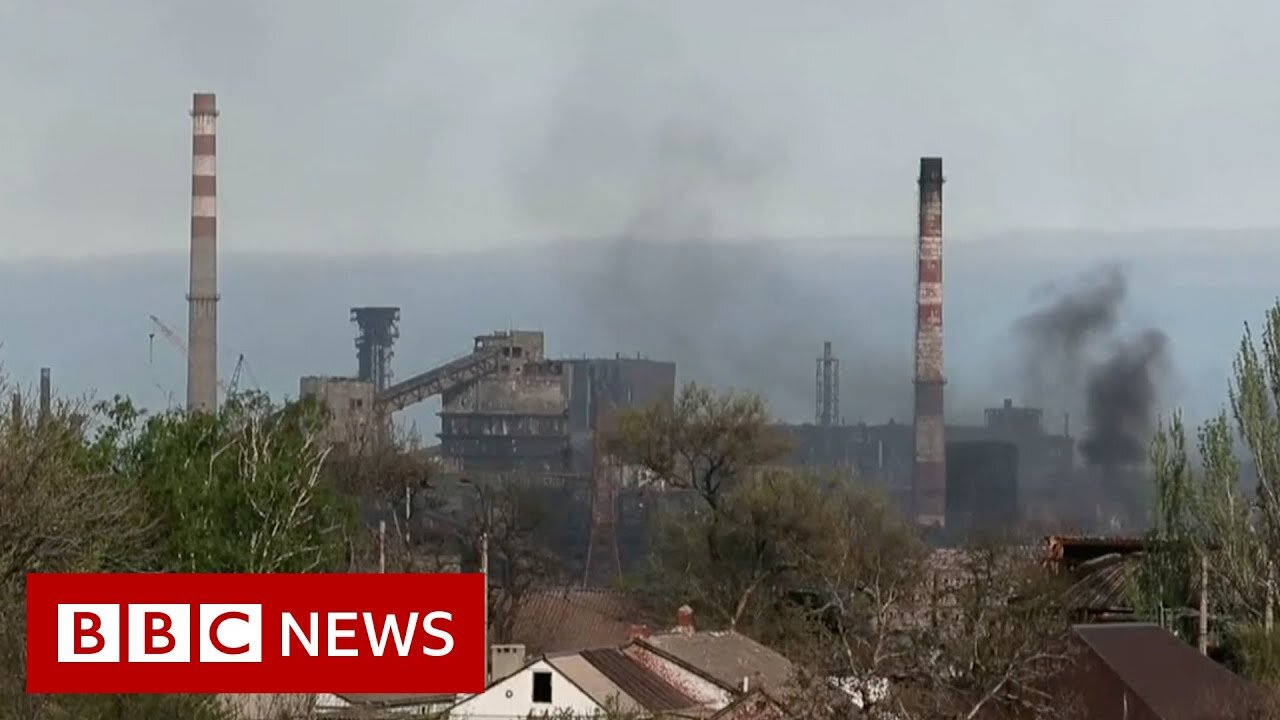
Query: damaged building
x=505, y=406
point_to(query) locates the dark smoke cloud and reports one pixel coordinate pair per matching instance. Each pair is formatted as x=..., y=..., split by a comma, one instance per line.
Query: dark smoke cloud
x=1121, y=393
x=637, y=146
x=1078, y=358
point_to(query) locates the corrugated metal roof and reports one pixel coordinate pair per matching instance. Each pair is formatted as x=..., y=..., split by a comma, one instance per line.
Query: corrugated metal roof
x=595, y=684
x=727, y=657
x=1171, y=677
x=642, y=685
x=561, y=620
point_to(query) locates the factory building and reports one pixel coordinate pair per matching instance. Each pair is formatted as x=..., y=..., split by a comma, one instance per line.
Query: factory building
x=982, y=489
x=349, y=402
x=506, y=407
x=514, y=419
x=884, y=454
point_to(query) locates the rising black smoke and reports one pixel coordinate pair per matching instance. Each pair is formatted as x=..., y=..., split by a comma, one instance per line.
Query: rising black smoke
x=1078, y=357
x=639, y=148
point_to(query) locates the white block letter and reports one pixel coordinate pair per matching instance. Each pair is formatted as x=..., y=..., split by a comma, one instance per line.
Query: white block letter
x=159, y=633
x=231, y=633
x=310, y=641
x=335, y=633
x=88, y=633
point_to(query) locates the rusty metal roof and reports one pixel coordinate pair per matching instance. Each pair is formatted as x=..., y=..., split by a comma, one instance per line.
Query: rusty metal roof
x=1074, y=549
x=569, y=619
x=637, y=681
x=1168, y=675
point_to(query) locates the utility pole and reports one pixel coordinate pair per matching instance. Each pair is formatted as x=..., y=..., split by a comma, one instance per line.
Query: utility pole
x=408, y=511
x=1204, y=603
x=382, y=546
x=484, y=570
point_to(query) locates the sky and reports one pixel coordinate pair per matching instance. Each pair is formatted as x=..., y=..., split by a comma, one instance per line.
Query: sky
x=424, y=126
x=1073, y=134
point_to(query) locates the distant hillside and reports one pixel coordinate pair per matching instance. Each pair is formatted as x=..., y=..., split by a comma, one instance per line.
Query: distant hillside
x=750, y=315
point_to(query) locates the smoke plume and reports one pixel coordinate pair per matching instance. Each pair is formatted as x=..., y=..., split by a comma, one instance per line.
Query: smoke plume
x=639, y=148
x=1078, y=358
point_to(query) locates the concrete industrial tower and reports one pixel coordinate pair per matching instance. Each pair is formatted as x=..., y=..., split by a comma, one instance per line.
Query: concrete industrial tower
x=379, y=328
x=929, y=473
x=202, y=297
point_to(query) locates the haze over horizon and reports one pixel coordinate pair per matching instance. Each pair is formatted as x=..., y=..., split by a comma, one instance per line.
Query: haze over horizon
x=479, y=137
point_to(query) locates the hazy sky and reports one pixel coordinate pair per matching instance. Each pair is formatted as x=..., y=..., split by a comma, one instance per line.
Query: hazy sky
x=413, y=125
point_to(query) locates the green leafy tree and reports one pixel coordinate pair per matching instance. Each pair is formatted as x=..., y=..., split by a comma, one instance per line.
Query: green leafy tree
x=702, y=442
x=240, y=491
x=1210, y=512
x=111, y=489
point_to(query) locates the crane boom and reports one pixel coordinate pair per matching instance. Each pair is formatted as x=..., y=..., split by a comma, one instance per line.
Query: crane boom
x=178, y=342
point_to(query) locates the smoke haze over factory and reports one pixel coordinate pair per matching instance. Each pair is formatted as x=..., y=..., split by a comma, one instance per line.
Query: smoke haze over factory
x=437, y=129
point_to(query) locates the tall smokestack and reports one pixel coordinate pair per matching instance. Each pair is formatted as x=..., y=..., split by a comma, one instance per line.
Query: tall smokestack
x=828, y=401
x=202, y=298
x=928, y=481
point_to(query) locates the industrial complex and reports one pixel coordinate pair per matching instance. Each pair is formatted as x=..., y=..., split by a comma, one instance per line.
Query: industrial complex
x=507, y=406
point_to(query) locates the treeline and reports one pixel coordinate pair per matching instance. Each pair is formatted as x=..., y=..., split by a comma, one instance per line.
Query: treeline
x=824, y=570
x=1212, y=533
x=111, y=489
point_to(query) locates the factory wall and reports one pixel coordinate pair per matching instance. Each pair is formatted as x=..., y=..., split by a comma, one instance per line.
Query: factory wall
x=982, y=489
x=620, y=382
x=884, y=454
x=515, y=420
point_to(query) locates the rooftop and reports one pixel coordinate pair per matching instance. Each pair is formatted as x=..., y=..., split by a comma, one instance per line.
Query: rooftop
x=1174, y=680
x=567, y=619
x=727, y=657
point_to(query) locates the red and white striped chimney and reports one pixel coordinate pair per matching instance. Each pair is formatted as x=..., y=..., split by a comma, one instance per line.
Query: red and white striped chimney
x=929, y=473
x=202, y=297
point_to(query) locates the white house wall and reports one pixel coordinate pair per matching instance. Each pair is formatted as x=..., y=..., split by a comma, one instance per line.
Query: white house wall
x=494, y=703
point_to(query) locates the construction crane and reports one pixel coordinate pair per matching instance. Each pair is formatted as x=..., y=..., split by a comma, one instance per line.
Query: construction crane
x=178, y=342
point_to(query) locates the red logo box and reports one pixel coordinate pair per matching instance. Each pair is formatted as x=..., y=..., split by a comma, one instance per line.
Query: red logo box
x=174, y=633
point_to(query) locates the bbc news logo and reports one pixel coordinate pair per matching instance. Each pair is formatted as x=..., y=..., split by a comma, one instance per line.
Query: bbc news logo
x=171, y=633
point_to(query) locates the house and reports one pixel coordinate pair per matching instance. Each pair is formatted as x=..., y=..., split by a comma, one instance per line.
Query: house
x=681, y=673
x=339, y=706
x=558, y=620
x=1140, y=671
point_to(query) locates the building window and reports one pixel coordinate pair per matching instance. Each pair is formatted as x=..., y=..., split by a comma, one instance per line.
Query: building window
x=542, y=687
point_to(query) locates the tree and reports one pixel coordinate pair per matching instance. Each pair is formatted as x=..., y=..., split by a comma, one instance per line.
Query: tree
x=740, y=558
x=1210, y=512
x=833, y=577
x=512, y=516
x=700, y=443
x=62, y=509
x=240, y=491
